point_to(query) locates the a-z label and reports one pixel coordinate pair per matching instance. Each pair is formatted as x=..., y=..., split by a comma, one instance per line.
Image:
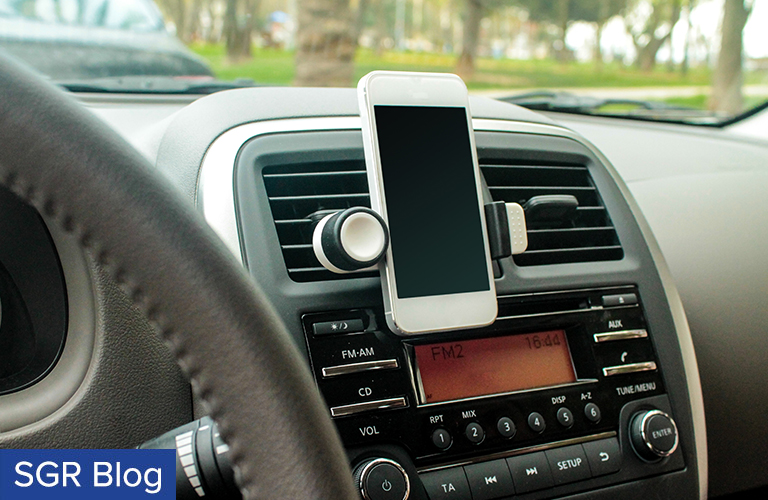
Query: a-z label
x=87, y=474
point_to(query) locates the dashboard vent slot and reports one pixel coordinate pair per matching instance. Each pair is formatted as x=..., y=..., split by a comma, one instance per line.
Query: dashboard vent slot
x=297, y=191
x=589, y=237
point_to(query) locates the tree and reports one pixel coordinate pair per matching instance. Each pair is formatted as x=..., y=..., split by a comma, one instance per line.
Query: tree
x=465, y=66
x=177, y=11
x=562, y=13
x=557, y=12
x=654, y=31
x=728, y=77
x=239, y=22
x=325, y=44
x=598, y=12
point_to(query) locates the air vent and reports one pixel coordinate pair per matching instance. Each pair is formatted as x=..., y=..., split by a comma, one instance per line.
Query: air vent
x=297, y=191
x=588, y=237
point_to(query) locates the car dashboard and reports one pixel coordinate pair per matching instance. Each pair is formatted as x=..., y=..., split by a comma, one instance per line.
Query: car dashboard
x=592, y=296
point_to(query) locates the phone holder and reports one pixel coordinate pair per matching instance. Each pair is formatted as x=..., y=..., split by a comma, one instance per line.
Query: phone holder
x=357, y=238
x=349, y=240
x=507, y=231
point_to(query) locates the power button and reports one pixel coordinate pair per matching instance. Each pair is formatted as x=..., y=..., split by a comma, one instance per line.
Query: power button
x=382, y=479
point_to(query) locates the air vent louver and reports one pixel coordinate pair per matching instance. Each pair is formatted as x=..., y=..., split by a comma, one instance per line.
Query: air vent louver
x=297, y=191
x=589, y=237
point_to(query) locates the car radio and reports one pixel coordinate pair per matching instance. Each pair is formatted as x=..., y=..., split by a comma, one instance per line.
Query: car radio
x=562, y=393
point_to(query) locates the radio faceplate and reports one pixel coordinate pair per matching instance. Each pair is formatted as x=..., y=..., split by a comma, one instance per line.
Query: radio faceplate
x=377, y=393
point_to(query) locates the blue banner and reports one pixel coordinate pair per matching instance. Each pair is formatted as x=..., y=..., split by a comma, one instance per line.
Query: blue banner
x=87, y=474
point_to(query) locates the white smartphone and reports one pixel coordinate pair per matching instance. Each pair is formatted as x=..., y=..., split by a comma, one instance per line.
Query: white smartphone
x=424, y=181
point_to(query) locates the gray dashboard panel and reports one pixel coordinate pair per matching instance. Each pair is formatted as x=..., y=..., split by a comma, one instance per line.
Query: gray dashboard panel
x=262, y=253
x=703, y=193
x=196, y=127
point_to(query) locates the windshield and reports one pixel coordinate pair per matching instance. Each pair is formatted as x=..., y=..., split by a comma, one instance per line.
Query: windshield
x=133, y=15
x=692, y=61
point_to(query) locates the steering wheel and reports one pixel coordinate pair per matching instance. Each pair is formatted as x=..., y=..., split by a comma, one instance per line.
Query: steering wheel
x=221, y=328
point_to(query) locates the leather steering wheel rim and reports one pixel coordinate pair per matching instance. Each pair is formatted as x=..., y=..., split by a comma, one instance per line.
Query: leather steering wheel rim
x=222, y=330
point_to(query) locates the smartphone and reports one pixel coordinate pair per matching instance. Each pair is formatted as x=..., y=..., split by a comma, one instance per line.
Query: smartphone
x=424, y=181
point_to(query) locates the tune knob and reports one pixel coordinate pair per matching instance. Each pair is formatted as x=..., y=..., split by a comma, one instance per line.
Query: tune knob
x=382, y=479
x=653, y=434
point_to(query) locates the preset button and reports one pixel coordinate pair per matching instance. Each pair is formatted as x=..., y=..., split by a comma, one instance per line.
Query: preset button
x=474, y=433
x=592, y=412
x=506, y=427
x=565, y=417
x=536, y=422
x=442, y=439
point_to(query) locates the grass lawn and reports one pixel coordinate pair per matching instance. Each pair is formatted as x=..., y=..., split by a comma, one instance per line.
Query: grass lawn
x=270, y=66
x=275, y=67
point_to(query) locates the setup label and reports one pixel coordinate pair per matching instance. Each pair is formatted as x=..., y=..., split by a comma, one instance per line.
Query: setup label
x=87, y=474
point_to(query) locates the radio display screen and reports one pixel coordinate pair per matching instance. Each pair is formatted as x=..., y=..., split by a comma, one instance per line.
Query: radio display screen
x=463, y=369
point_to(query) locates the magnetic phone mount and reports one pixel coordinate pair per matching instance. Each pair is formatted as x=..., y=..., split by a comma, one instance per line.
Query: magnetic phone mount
x=349, y=240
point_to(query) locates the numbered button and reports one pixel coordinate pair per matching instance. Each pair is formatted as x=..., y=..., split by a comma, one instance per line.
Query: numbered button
x=474, y=433
x=442, y=439
x=592, y=412
x=506, y=427
x=565, y=417
x=536, y=422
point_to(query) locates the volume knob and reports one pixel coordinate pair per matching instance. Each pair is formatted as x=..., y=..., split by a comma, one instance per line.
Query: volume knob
x=653, y=434
x=382, y=479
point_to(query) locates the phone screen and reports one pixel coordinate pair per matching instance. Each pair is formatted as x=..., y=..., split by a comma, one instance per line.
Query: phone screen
x=436, y=231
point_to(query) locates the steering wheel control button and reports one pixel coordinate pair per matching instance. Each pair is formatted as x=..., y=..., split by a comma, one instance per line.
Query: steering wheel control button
x=446, y=484
x=475, y=433
x=506, y=427
x=622, y=299
x=568, y=464
x=593, y=413
x=565, y=417
x=536, y=422
x=442, y=439
x=604, y=456
x=365, y=366
x=489, y=480
x=646, y=366
x=621, y=335
x=530, y=472
x=653, y=434
x=353, y=325
x=382, y=404
x=382, y=479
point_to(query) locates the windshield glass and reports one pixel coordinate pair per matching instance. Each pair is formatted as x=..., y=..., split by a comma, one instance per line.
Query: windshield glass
x=693, y=61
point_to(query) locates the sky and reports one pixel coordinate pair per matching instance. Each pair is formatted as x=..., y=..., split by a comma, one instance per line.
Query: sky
x=705, y=18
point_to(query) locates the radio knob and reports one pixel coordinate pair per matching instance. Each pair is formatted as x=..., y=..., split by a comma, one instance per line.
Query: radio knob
x=382, y=479
x=653, y=434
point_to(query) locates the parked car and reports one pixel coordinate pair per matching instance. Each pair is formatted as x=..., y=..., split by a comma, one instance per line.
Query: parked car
x=93, y=39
